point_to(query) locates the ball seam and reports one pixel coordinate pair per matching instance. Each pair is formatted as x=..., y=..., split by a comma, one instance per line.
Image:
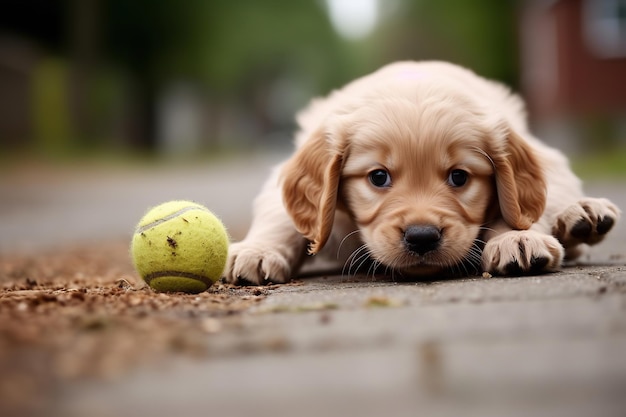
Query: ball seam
x=178, y=274
x=145, y=227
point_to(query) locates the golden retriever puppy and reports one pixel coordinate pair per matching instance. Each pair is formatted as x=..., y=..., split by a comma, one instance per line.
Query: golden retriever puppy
x=419, y=169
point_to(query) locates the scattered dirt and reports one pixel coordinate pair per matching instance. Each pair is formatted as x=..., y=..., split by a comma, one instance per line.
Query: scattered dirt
x=84, y=312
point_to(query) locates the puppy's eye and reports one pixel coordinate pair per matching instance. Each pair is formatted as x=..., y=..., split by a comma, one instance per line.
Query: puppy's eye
x=380, y=178
x=457, y=178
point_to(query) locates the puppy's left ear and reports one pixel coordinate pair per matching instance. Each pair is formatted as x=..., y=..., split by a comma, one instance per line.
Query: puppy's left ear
x=520, y=181
x=310, y=183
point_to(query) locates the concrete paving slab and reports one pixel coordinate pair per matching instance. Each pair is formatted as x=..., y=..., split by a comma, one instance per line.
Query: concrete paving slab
x=538, y=354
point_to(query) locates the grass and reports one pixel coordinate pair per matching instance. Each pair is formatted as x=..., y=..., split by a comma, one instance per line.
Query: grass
x=114, y=159
x=609, y=164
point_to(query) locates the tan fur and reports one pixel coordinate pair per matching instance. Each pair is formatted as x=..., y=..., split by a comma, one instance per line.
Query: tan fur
x=310, y=186
x=418, y=122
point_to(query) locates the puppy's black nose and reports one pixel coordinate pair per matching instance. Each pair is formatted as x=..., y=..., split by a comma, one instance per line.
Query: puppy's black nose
x=422, y=238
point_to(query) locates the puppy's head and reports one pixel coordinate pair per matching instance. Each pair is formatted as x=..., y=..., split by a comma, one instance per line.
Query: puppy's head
x=421, y=178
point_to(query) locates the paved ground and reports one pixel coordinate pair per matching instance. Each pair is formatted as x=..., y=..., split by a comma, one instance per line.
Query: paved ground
x=548, y=345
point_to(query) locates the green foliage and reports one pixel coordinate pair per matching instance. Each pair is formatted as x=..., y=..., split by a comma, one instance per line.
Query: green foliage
x=226, y=43
x=234, y=53
x=51, y=119
x=220, y=43
x=479, y=34
x=599, y=165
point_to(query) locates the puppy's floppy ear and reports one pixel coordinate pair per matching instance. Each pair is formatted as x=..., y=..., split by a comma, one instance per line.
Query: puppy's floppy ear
x=520, y=182
x=310, y=183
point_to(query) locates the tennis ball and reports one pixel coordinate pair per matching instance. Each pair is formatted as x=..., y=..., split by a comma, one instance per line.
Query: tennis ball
x=180, y=246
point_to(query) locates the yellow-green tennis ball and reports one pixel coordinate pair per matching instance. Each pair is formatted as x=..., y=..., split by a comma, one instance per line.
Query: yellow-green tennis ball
x=180, y=246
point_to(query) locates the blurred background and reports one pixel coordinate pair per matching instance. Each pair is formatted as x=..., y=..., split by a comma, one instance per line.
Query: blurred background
x=108, y=107
x=203, y=80
x=169, y=77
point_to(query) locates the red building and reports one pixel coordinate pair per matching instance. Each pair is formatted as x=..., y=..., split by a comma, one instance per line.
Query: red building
x=574, y=61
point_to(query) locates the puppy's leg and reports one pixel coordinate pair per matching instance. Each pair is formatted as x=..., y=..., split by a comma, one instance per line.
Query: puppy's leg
x=569, y=219
x=586, y=221
x=521, y=252
x=543, y=248
x=273, y=248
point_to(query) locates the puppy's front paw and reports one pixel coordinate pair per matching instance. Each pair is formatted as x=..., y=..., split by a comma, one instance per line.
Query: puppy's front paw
x=255, y=264
x=522, y=252
x=587, y=221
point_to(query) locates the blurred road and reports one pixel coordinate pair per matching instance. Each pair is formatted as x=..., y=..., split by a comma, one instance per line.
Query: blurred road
x=44, y=206
x=551, y=345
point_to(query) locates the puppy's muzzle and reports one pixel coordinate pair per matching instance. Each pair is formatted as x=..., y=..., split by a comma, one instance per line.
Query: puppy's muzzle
x=421, y=239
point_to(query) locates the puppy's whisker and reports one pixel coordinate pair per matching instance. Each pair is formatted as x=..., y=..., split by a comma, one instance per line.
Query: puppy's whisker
x=350, y=261
x=476, y=241
x=358, y=261
x=358, y=266
x=392, y=270
x=359, y=256
x=484, y=230
x=393, y=267
x=474, y=256
x=344, y=240
x=485, y=154
x=386, y=271
x=372, y=268
x=377, y=265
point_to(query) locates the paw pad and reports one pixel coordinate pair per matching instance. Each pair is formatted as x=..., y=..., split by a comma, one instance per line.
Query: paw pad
x=536, y=265
x=605, y=224
x=522, y=252
x=587, y=221
x=581, y=229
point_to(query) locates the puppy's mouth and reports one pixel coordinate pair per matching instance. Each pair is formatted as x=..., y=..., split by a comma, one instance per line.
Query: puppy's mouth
x=417, y=264
x=424, y=250
x=434, y=263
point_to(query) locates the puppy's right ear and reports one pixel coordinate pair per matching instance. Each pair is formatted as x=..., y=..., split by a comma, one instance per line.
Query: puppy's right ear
x=520, y=181
x=310, y=183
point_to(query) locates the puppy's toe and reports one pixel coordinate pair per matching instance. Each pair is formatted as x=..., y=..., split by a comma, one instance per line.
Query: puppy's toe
x=254, y=265
x=522, y=252
x=587, y=221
